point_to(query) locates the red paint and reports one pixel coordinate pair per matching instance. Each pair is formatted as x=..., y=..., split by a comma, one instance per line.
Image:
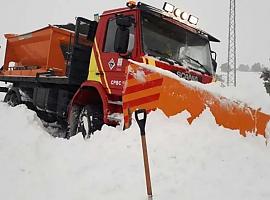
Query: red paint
x=144, y=86
x=81, y=97
x=142, y=100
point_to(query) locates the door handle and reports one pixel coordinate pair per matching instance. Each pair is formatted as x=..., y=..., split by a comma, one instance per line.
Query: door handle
x=99, y=73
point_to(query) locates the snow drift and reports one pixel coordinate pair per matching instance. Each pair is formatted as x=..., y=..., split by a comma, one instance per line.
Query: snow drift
x=202, y=161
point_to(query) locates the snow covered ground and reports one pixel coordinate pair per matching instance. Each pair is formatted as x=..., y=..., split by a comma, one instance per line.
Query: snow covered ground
x=202, y=161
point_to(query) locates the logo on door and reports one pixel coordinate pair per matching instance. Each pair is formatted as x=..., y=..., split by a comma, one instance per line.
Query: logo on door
x=111, y=64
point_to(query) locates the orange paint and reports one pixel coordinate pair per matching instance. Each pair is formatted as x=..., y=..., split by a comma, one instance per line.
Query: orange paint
x=40, y=49
x=176, y=97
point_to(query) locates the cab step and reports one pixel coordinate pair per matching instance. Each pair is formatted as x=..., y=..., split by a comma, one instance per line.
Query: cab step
x=116, y=117
x=119, y=103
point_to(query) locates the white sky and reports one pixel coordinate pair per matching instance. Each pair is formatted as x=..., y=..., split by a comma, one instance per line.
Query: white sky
x=253, y=31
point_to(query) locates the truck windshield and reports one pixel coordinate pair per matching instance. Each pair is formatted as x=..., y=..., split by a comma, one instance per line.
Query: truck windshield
x=167, y=41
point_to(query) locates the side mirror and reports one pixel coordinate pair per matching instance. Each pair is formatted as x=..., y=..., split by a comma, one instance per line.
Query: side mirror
x=124, y=21
x=122, y=34
x=121, y=40
x=214, y=55
x=214, y=63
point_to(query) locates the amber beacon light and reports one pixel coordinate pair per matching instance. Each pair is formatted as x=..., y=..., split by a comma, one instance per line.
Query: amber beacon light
x=131, y=4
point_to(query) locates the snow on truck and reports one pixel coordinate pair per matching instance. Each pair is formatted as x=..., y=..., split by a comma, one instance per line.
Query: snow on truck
x=99, y=72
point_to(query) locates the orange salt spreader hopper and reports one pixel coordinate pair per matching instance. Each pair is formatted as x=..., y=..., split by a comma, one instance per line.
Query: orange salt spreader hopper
x=173, y=95
x=41, y=51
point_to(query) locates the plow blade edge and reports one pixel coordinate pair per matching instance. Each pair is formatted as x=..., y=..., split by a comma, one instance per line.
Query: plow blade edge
x=151, y=88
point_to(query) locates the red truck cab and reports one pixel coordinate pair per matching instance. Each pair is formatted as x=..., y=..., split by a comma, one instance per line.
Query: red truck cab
x=148, y=35
x=153, y=38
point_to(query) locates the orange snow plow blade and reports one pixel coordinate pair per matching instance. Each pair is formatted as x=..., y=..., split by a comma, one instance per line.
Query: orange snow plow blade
x=154, y=90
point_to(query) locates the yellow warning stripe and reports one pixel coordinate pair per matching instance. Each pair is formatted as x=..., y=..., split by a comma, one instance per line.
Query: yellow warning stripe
x=94, y=72
x=102, y=69
x=150, y=77
x=142, y=93
x=151, y=61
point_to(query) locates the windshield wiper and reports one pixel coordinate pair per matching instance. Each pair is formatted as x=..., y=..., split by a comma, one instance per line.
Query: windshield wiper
x=198, y=62
x=161, y=56
x=166, y=60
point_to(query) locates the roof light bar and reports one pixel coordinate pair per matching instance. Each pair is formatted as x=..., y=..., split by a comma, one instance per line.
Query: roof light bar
x=193, y=20
x=177, y=12
x=168, y=7
x=184, y=16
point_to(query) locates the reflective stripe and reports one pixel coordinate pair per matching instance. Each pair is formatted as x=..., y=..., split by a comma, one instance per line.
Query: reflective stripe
x=151, y=61
x=101, y=66
x=93, y=68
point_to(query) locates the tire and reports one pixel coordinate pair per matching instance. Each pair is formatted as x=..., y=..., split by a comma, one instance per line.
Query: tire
x=12, y=99
x=90, y=120
x=73, y=121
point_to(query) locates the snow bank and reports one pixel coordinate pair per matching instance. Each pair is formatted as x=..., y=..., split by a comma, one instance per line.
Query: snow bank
x=201, y=161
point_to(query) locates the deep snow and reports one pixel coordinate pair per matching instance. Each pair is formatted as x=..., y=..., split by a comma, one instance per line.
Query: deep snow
x=202, y=161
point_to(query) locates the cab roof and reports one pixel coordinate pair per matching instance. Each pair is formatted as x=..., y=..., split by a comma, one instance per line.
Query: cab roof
x=154, y=10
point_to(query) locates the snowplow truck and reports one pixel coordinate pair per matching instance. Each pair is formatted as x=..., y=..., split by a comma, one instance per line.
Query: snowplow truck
x=84, y=75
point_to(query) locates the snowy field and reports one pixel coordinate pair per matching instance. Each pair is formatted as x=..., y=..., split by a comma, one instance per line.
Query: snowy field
x=202, y=161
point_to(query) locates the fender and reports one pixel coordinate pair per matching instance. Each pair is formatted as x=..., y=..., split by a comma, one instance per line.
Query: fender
x=78, y=96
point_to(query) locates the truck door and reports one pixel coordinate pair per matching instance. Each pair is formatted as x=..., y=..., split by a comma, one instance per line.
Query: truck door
x=78, y=59
x=114, y=66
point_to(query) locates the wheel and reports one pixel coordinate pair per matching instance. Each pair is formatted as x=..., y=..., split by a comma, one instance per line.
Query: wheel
x=12, y=99
x=90, y=120
x=73, y=121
